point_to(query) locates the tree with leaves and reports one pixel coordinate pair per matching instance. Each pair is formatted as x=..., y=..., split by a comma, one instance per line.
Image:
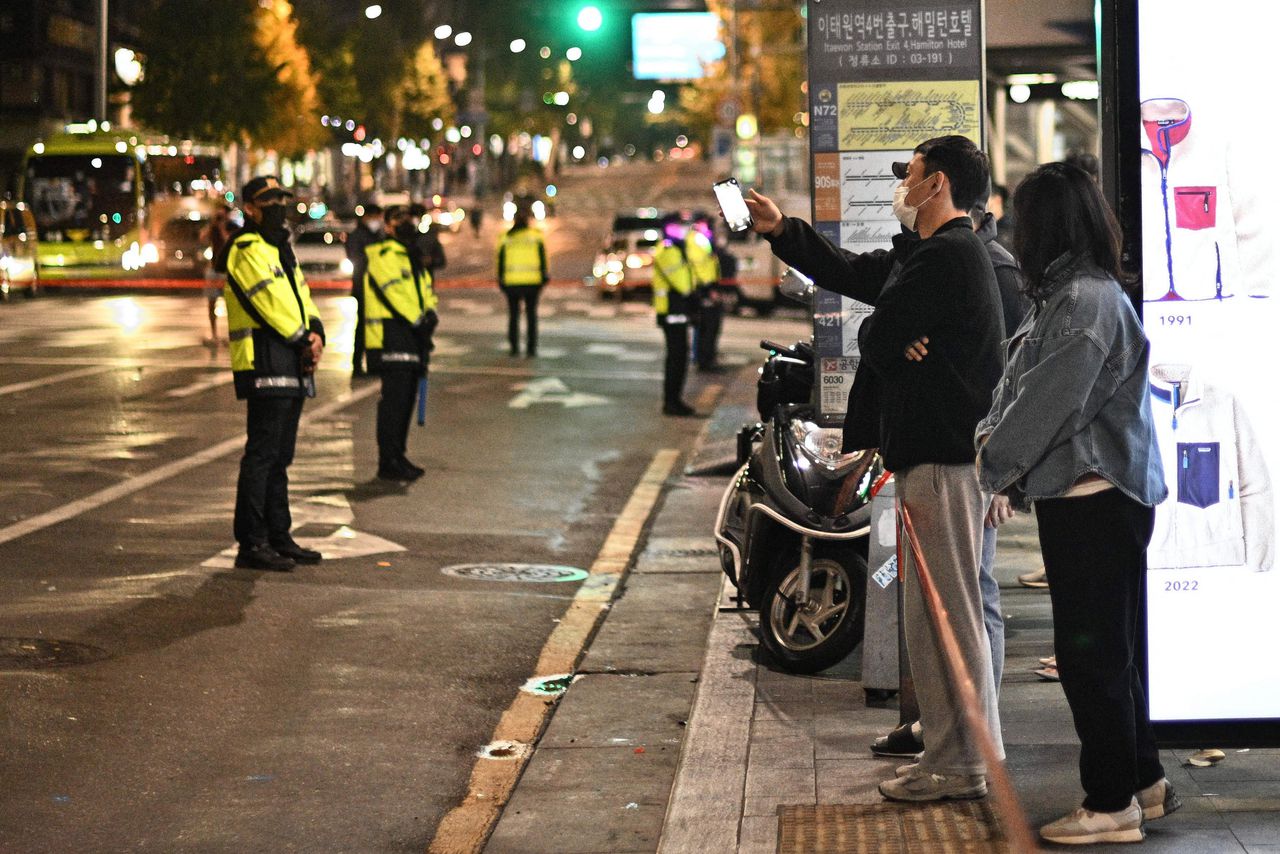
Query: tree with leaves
x=242, y=79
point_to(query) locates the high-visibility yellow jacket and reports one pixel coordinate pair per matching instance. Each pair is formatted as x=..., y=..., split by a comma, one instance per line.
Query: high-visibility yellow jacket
x=702, y=257
x=397, y=299
x=673, y=281
x=522, y=258
x=268, y=317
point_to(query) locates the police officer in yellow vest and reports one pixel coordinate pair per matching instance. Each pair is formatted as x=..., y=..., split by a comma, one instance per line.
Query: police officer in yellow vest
x=522, y=271
x=673, y=301
x=701, y=253
x=276, y=342
x=400, y=318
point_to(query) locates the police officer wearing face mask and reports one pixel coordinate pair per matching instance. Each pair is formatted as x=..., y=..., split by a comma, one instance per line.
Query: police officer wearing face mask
x=368, y=230
x=400, y=319
x=276, y=342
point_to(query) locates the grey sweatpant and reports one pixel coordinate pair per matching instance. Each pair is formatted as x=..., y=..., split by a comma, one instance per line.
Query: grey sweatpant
x=947, y=509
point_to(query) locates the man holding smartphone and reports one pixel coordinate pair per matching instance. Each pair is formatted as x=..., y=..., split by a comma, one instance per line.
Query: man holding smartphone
x=935, y=294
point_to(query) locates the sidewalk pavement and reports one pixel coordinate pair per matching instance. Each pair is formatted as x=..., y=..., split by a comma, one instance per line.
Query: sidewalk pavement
x=679, y=737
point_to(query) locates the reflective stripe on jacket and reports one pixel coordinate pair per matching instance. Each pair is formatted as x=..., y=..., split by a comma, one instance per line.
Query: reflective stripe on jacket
x=521, y=258
x=268, y=318
x=672, y=280
x=396, y=301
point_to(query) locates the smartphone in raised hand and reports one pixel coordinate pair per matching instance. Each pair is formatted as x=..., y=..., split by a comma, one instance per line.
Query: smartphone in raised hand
x=729, y=195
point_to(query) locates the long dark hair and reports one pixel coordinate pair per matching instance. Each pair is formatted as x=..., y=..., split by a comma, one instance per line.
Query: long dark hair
x=1060, y=211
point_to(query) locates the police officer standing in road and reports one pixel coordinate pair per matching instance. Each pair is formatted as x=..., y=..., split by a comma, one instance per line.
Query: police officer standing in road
x=522, y=271
x=276, y=343
x=400, y=318
x=673, y=283
x=701, y=253
x=368, y=231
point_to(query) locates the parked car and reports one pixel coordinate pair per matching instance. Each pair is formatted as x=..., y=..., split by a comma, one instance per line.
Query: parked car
x=533, y=205
x=321, y=249
x=445, y=215
x=181, y=247
x=18, y=268
x=625, y=265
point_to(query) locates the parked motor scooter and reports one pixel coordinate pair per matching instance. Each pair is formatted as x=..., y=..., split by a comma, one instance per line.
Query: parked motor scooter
x=794, y=522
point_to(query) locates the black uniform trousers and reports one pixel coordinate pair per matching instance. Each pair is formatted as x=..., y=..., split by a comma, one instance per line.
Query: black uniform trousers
x=527, y=294
x=262, y=492
x=1094, y=550
x=357, y=350
x=677, y=363
x=710, y=320
x=395, y=409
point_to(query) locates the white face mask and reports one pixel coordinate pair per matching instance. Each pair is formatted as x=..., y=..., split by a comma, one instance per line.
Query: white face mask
x=906, y=213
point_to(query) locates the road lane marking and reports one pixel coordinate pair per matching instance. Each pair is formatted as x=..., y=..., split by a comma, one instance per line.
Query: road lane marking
x=496, y=370
x=466, y=828
x=552, y=390
x=706, y=401
x=220, y=379
x=93, y=370
x=140, y=482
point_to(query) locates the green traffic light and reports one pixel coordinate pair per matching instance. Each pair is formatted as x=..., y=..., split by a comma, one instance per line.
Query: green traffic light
x=590, y=19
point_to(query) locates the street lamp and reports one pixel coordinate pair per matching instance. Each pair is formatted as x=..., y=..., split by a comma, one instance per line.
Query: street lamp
x=518, y=45
x=590, y=19
x=372, y=11
x=573, y=54
x=444, y=31
x=462, y=39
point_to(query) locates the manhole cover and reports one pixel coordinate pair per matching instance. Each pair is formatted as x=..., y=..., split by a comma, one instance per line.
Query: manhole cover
x=34, y=653
x=696, y=552
x=535, y=572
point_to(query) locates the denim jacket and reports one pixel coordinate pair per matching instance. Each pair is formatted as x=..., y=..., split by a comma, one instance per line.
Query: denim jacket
x=1074, y=398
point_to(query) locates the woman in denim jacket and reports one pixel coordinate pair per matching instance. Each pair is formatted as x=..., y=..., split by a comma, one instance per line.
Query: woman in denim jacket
x=1070, y=432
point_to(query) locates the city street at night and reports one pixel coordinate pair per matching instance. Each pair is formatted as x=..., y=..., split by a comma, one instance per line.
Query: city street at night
x=157, y=695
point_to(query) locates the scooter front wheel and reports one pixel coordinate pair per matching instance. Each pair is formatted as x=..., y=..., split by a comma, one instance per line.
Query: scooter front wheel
x=809, y=637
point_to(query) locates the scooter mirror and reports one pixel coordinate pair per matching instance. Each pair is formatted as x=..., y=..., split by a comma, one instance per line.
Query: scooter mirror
x=797, y=286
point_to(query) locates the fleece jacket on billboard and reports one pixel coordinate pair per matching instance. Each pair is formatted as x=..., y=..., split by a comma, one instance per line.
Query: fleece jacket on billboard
x=1220, y=510
x=1196, y=216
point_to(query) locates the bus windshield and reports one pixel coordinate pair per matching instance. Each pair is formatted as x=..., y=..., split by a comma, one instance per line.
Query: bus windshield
x=82, y=196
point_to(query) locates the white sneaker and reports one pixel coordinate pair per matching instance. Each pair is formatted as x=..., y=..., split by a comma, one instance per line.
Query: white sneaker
x=1085, y=827
x=918, y=785
x=904, y=770
x=1158, y=800
x=1037, y=579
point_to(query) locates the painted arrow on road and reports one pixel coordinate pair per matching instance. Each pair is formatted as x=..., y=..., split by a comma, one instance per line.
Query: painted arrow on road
x=342, y=543
x=552, y=390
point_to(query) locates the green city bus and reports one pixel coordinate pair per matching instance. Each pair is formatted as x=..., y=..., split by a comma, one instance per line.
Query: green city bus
x=100, y=197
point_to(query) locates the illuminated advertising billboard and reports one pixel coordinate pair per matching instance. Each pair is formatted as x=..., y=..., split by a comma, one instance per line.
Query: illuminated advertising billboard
x=675, y=45
x=1211, y=306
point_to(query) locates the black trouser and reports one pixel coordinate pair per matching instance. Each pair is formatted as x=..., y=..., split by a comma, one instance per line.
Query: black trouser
x=710, y=319
x=262, y=492
x=1094, y=552
x=357, y=349
x=395, y=408
x=677, y=365
x=528, y=294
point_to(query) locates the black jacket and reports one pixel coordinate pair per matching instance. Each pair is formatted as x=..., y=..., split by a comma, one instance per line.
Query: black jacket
x=1012, y=300
x=943, y=288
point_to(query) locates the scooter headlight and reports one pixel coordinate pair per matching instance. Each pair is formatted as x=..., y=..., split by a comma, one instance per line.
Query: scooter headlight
x=820, y=444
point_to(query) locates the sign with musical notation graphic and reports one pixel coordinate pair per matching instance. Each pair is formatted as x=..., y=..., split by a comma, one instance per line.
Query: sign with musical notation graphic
x=884, y=76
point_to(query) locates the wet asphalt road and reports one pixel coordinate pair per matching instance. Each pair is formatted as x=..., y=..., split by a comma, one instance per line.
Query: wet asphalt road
x=196, y=707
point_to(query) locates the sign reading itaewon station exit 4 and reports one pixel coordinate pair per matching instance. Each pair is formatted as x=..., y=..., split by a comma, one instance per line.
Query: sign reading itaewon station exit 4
x=884, y=76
